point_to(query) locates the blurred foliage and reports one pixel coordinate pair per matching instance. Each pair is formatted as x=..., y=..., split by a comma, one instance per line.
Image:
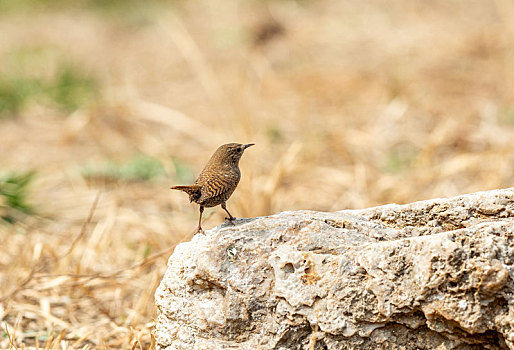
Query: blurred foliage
x=43, y=76
x=131, y=13
x=9, y=6
x=183, y=171
x=15, y=91
x=275, y=135
x=14, y=191
x=148, y=251
x=101, y=6
x=138, y=168
x=400, y=159
x=71, y=88
x=507, y=116
x=117, y=5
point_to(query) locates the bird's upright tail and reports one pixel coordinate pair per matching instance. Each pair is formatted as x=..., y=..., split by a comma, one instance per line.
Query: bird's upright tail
x=194, y=191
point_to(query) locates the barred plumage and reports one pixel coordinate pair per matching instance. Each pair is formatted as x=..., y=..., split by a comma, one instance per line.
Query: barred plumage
x=218, y=179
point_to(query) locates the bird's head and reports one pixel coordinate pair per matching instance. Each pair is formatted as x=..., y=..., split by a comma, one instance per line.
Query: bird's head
x=231, y=152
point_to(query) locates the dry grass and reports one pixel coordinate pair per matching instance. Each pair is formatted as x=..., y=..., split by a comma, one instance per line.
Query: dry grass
x=351, y=104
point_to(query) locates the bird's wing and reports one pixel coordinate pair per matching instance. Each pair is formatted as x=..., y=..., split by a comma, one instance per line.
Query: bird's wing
x=217, y=185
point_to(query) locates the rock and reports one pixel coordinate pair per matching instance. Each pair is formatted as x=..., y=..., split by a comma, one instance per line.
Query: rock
x=436, y=274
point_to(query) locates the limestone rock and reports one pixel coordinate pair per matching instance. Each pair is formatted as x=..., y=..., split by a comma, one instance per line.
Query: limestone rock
x=436, y=274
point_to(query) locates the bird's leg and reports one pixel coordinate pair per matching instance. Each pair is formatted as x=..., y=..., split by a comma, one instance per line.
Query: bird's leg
x=200, y=220
x=230, y=217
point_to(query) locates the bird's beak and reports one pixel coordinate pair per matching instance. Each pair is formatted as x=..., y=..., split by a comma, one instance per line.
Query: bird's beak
x=248, y=145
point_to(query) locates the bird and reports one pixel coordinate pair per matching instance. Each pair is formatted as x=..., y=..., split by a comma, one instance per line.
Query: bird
x=217, y=181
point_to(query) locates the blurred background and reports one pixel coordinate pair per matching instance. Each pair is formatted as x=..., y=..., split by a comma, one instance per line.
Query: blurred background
x=104, y=104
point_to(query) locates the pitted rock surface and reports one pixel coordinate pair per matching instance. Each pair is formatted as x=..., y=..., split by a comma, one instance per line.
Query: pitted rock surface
x=435, y=274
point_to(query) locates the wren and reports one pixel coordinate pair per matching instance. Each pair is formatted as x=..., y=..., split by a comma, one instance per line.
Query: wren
x=218, y=180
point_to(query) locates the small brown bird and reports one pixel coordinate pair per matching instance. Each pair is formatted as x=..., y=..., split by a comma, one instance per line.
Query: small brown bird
x=218, y=179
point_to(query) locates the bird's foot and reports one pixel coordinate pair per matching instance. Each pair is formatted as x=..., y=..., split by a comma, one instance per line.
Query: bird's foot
x=231, y=219
x=200, y=230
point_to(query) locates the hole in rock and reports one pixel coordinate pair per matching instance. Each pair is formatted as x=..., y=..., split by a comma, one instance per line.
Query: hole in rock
x=288, y=268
